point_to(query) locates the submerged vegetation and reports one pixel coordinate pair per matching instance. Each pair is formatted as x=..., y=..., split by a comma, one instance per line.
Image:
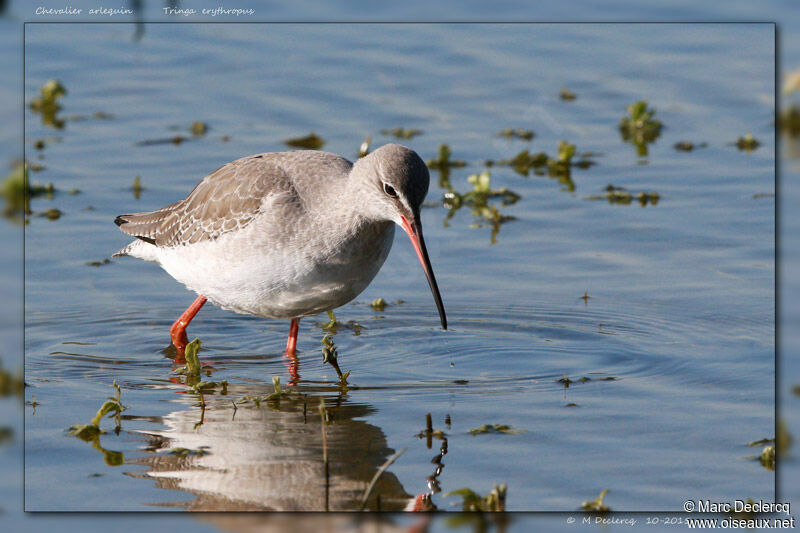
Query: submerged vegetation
x=493, y=502
x=331, y=356
x=687, y=146
x=596, y=505
x=516, y=133
x=402, y=133
x=112, y=406
x=567, y=95
x=443, y=164
x=10, y=385
x=310, y=142
x=541, y=164
x=789, y=121
x=192, y=366
x=277, y=394
x=619, y=195
x=495, y=428
x=478, y=201
x=18, y=191
x=332, y=325
x=748, y=143
x=639, y=127
x=47, y=103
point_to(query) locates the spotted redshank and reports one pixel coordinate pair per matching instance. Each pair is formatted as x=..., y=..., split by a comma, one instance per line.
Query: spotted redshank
x=286, y=234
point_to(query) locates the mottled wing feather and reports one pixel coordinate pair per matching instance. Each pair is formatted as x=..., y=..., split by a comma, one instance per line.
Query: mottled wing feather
x=227, y=199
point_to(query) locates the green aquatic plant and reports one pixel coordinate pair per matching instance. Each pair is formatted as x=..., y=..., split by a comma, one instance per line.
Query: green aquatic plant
x=516, y=133
x=478, y=201
x=748, y=143
x=198, y=128
x=46, y=104
x=639, y=127
x=332, y=325
x=596, y=505
x=524, y=162
x=192, y=367
x=311, y=142
x=137, y=187
x=429, y=433
x=560, y=166
x=208, y=386
x=188, y=452
x=443, y=164
x=621, y=196
x=10, y=385
x=112, y=406
x=330, y=355
x=495, y=428
x=789, y=121
x=50, y=214
x=18, y=191
x=493, y=502
x=402, y=133
x=277, y=393
x=379, y=304
x=176, y=140
x=767, y=457
x=567, y=95
x=687, y=146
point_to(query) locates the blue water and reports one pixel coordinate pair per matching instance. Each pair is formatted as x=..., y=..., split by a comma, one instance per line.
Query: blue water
x=537, y=309
x=681, y=307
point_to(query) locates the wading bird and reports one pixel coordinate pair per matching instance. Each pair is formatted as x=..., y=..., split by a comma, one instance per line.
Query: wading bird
x=286, y=234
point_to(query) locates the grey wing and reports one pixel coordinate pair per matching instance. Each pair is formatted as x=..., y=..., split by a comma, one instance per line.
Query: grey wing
x=227, y=199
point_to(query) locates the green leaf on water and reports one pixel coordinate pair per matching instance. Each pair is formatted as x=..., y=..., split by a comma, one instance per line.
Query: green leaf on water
x=311, y=142
x=565, y=151
x=639, y=127
x=192, y=361
x=379, y=304
x=187, y=452
x=516, y=133
x=495, y=501
x=47, y=104
x=206, y=386
x=402, y=133
x=443, y=160
x=767, y=457
x=596, y=505
x=495, y=428
x=199, y=128
x=748, y=143
x=567, y=95
x=621, y=196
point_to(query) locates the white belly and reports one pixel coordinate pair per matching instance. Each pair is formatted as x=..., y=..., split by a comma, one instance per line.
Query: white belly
x=240, y=272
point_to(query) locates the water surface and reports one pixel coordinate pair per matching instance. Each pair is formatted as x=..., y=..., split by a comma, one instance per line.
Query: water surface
x=676, y=336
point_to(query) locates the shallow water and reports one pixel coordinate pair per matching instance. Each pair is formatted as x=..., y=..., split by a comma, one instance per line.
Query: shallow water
x=677, y=335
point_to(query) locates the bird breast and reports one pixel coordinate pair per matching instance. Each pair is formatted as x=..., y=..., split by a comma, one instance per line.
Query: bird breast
x=291, y=274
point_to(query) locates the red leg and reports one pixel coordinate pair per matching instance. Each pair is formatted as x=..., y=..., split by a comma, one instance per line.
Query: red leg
x=291, y=351
x=178, y=329
x=291, y=344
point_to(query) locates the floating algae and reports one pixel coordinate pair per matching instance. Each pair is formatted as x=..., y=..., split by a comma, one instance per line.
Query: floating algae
x=310, y=142
x=639, y=127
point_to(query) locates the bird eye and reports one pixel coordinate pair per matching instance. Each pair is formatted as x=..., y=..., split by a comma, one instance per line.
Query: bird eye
x=388, y=189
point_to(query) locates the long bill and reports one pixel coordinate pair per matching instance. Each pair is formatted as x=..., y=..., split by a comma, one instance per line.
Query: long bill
x=414, y=231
